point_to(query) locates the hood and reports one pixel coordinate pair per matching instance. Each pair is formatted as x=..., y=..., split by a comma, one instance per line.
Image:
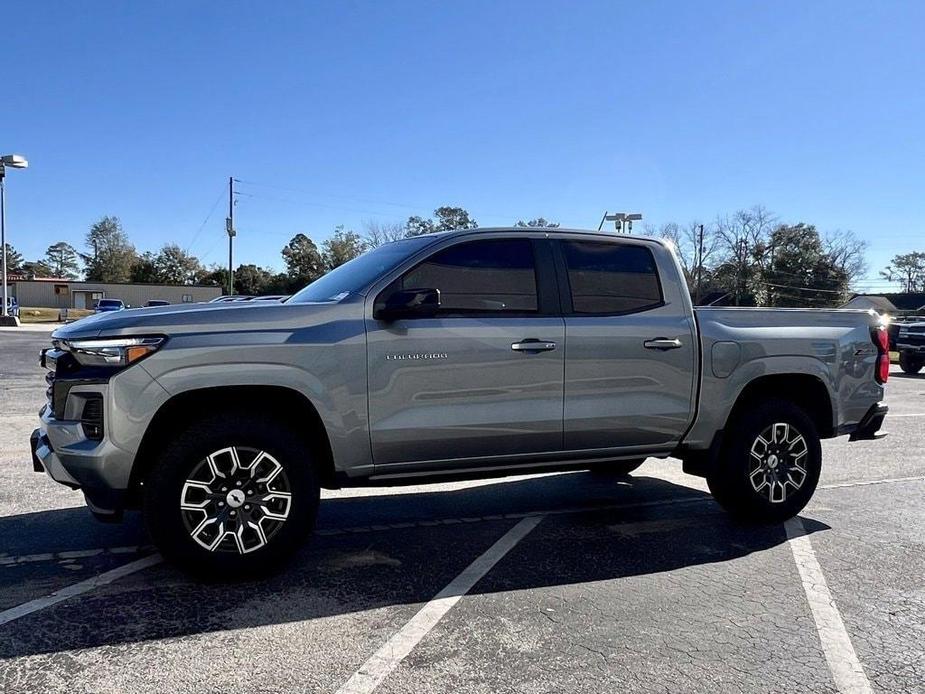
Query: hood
x=178, y=319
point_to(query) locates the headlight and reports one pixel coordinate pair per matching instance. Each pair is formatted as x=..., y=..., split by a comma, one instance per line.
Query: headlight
x=112, y=351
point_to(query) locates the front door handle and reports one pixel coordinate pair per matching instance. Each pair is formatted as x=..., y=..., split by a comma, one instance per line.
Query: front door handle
x=533, y=345
x=662, y=343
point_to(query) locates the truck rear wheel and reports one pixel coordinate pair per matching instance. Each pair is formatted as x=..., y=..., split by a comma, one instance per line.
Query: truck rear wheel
x=232, y=496
x=910, y=363
x=770, y=465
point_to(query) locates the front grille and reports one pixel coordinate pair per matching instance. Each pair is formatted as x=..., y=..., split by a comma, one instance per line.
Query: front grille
x=65, y=372
x=50, y=390
x=91, y=417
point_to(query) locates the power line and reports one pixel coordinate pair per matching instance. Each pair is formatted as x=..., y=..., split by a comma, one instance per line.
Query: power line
x=807, y=289
x=423, y=209
x=206, y=220
x=340, y=208
x=332, y=195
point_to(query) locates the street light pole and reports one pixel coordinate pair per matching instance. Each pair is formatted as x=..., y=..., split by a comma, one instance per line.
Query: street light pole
x=14, y=161
x=619, y=219
x=3, y=235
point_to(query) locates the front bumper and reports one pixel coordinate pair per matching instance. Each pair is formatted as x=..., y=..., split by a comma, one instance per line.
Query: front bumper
x=60, y=450
x=869, y=426
x=45, y=460
x=917, y=347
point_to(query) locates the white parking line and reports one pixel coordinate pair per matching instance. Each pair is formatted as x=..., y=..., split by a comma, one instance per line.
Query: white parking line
x=530, y=518
x=917, y=414
x=71, y=554
x=77, y=589
x=836, y=644
x=376, y=669
x=867, y=483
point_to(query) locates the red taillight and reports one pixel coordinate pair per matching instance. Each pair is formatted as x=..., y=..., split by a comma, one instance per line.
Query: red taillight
x=882, y=339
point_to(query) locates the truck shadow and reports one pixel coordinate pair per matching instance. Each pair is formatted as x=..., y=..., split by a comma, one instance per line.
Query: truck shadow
x=596, y=529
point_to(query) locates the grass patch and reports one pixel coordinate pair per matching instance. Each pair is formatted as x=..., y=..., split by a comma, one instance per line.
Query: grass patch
x=29, y=314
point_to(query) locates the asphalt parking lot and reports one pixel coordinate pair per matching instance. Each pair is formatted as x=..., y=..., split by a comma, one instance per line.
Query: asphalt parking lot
x=565, y=582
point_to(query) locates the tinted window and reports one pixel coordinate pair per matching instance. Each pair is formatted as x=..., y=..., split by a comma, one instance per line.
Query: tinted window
x=495, y=276
x=611, y=277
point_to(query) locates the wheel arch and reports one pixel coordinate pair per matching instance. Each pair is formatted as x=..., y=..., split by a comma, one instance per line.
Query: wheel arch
x=806, y=391
x=284, y=404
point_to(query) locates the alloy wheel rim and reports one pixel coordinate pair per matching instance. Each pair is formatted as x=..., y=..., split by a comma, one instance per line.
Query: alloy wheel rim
x=235, y=500
x=778, y=462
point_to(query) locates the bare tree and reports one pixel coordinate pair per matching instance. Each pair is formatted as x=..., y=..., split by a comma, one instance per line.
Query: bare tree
x=377, y=233
x=749, y=228
x=696, y=260
x=743, y=247
x=846, y=252
x=753, y=259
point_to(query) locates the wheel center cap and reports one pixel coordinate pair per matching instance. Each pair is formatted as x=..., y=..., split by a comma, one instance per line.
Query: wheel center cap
x=235, y=498
x=772, y=463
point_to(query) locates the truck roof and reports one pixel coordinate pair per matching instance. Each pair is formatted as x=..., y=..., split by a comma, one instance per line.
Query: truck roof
x=550, y=230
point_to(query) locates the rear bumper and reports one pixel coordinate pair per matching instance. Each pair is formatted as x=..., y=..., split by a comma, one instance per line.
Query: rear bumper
x=869, y=426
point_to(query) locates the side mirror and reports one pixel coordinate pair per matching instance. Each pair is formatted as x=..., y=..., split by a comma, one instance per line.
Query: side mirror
x=409, y=303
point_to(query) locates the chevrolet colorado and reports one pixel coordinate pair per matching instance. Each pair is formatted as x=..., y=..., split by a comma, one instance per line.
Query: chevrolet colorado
x=468, y=353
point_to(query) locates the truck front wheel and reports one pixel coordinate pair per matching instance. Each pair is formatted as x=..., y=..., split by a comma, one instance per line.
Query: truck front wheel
x=232, y=496
x=910, y=363
x=770, y=465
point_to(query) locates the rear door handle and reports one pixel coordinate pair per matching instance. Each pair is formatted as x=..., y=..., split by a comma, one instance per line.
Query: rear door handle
x=662, y=343
x=533, y=345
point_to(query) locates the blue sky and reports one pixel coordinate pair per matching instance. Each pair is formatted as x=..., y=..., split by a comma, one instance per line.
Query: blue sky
x=337, y=112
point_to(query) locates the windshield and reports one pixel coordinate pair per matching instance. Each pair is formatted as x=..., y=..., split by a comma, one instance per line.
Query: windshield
x=110, y=302
x=355, y=275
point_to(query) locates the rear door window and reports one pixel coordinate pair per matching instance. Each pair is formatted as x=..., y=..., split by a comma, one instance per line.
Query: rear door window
x=611, y=278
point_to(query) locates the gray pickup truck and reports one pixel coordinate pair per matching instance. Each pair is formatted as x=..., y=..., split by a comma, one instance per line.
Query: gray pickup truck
x=463, y=354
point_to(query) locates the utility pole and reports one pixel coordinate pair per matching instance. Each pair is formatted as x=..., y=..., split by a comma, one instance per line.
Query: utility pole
x=738, y=267
x=741, y=253
x=229, y=227
x=700, y=264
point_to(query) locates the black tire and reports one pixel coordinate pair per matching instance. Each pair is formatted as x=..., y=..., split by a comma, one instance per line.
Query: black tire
x=270, y=448
x=909, y=363
x=731, y=481
x=616, y=468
